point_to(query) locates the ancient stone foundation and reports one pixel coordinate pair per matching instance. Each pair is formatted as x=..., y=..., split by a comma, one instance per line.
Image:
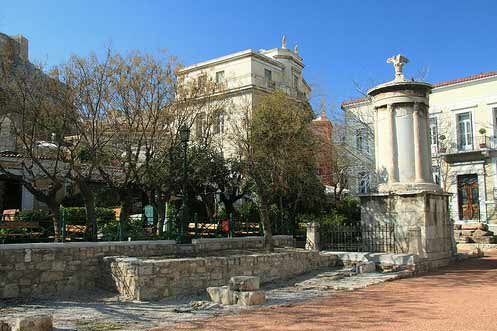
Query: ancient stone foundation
x=421, y=220
x=47, y=269
x=153, y=279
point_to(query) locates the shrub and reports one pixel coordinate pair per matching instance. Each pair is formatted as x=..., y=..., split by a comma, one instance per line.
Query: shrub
x=350, y=210
x=41, y=216
x=249, y=212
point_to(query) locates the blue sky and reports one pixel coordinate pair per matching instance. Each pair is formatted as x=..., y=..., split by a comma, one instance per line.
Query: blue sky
x=342, y=42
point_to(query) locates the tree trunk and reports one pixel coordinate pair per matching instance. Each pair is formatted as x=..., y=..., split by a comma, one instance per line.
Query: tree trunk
x=91, y=215
x=266, y=223
x=54, y=208
x=228, y=206
x=161, y=214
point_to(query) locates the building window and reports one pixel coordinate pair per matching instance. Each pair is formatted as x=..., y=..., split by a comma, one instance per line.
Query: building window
x=295, y=81
x=361, y=141
x=220, y=77
x=363, y=182
x=434, y=135
x=268, y=74
x=200, y=125
x=436, y=174
x=464, y=131
x=219, y=122
x=202, y=81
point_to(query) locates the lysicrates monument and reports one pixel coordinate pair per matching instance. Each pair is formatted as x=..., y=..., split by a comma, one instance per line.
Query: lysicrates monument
x=407, y=196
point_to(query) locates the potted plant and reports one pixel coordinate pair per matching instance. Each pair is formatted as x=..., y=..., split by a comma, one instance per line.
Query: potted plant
x=483, y=138
x=442, y=148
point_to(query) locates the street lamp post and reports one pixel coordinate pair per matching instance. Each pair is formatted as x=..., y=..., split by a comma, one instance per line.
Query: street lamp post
x=184, y=133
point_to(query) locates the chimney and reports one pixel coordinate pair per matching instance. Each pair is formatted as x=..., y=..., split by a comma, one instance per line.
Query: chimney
x=22, y=43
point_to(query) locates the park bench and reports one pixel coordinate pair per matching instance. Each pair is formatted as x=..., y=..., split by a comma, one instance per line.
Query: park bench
x=210, y=229
x=75, y=232
x=9, y=215
x=34, y=230
x=204, y=229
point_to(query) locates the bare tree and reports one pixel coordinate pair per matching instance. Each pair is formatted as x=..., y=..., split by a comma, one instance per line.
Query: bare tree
x=87, y=83
x=34, y=105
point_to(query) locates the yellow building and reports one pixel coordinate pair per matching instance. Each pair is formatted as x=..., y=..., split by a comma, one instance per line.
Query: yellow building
x=463, y=130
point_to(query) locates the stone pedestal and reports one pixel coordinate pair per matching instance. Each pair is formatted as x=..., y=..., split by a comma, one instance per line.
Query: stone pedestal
x=312, y=236
x=421, y=221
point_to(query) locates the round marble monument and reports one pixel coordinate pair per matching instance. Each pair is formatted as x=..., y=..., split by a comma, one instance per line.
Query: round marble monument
x=401, y=124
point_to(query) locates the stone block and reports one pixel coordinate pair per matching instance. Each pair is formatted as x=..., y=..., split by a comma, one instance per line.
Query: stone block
x=482, y=233
x=35, y=323
x=10, y=291
x=250, y=298
x=485, y=240
x=365, y=267
x=222, y=295
x=51, y=276
x=470, y=226
x=4, y=326
x=245, y=283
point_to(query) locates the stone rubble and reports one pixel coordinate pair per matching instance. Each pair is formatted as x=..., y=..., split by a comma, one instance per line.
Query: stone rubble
x=365, y=267
x=474, y=233
x=244, y=283
x=242, y=291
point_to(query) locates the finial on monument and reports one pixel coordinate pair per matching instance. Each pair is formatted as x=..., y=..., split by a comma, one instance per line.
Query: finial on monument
x=296, y=49
x=283, y=42
x=398, y=62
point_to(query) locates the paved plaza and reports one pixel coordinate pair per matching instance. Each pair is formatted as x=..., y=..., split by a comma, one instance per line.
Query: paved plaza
x=459, y=297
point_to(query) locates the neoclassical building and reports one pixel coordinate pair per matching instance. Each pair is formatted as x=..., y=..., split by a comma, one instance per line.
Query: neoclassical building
x=463, y=145
x=246, y=76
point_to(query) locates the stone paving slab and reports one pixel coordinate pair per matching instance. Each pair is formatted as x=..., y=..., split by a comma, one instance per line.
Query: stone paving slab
x=104, y=311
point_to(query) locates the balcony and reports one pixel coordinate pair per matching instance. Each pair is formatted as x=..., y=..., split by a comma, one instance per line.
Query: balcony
x=481, y=146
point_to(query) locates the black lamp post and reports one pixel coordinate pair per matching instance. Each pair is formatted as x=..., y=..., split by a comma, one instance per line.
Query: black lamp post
x=184, y=134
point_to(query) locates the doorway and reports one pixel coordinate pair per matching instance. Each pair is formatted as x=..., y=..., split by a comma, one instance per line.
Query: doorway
x=468, y=196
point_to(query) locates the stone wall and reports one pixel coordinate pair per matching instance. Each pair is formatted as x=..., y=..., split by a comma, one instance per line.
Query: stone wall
x=40, y=270
x=154, y=279
x=217, y=244
x=45, y=269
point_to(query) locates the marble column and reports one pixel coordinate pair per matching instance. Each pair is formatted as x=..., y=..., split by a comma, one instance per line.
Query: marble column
x=428, y=163
x=418, y=154
x=375, y=125
x=392, y=165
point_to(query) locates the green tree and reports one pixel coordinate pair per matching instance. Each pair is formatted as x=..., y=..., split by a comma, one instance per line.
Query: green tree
x=279, y=148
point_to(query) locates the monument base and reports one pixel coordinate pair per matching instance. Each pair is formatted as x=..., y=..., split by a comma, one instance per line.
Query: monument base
x=408, y=187
x=421, y=222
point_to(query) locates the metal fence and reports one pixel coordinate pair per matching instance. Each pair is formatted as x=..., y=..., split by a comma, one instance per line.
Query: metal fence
x=377, y=238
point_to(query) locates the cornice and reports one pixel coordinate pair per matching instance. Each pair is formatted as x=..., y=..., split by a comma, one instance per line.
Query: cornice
x=229, y=58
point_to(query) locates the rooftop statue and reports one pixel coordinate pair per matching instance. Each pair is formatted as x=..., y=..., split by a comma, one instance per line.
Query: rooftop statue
x=398, y=62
